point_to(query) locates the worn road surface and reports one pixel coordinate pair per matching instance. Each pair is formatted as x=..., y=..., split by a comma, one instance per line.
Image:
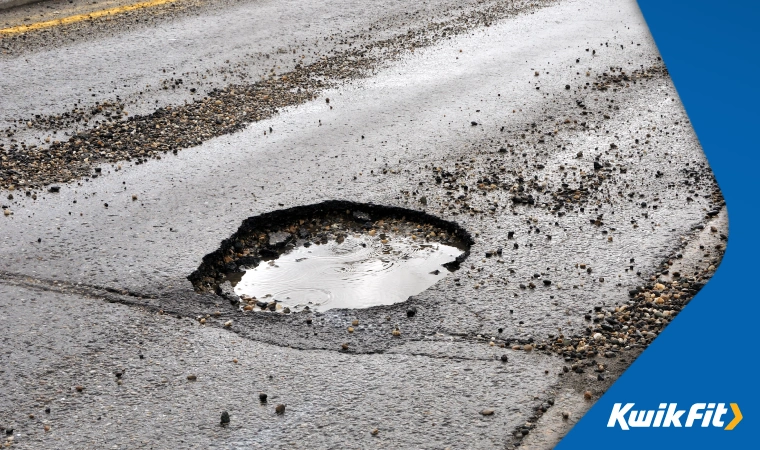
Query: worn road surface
x=133, y=143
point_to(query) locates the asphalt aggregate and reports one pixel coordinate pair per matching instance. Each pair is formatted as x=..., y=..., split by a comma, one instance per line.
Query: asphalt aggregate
x=147, y=157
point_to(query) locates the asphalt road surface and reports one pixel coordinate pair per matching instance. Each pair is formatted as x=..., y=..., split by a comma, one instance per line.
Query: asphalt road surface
x=134, y=141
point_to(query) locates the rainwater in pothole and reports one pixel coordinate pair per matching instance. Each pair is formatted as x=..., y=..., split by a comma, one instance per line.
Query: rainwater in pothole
x=356, y=272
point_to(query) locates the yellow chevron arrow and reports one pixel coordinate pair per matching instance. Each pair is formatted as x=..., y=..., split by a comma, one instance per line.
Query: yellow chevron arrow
x=737, y=417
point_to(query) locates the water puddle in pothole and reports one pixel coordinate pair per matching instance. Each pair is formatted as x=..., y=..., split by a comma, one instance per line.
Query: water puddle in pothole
x=358, y=271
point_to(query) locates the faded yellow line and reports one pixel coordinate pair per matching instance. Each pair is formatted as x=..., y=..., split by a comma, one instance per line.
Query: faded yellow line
x=82, y=17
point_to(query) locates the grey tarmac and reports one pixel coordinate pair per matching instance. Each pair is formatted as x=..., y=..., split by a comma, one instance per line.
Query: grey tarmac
x=551, y=132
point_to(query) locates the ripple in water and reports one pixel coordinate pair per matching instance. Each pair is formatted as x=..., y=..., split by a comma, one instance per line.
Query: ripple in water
x=358, y=273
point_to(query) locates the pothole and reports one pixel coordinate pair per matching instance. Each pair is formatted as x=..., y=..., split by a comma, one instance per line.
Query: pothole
x=335, y=254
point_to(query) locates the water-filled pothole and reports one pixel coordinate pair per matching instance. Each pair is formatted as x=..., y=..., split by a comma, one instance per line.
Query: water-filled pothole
x=332, y=255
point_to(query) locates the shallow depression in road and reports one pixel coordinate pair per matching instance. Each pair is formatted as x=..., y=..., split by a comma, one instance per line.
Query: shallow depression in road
x=356, y=272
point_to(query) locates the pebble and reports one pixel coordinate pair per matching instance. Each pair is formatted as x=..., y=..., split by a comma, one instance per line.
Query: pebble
x=225, y=418
x=487, y=412
x=280, y=409
x=587, y=395
x=191, y=377
x=263, y=397
x=350, y=329
x=396, y=333
x=374, y=432
x=504, y=358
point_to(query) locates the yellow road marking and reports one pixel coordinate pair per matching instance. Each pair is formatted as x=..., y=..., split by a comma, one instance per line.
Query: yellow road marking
x=737, y=417
x=82, y=17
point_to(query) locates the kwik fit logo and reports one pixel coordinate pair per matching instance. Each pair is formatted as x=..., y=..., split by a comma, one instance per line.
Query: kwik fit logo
x=669, y=416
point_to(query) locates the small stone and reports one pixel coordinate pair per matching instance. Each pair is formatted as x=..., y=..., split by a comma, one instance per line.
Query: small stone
x=191, y=377
x=7, y=212
x=504, y=358
x=225, y=418
x=202, y=321
x=528, y=347
x=134, y=197
x=374, y=432
x=396, y=333
x=355, y=322
x=263, y=397
x=487, y=412
x=411, y=312
x=234, y=360
x=79, y=388
x=350, y=329
x=280, y=409
x=46, y=428
x=344, y=346
x=565, y=415
x=587, y=395
x=228, y=324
